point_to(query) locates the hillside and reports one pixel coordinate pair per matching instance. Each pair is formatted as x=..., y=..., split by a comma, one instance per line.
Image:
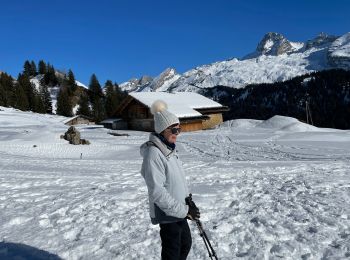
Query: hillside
x=326, y=95
x=44, y=89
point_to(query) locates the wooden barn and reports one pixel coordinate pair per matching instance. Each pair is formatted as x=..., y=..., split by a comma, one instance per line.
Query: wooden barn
x=195, y=111
x=79, y=120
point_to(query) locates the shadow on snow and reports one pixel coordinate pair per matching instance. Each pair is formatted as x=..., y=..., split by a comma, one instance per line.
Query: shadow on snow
x=14, y=251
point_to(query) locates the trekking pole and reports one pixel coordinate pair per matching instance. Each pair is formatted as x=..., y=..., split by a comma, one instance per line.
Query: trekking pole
x=202, y=233
x=207, y=243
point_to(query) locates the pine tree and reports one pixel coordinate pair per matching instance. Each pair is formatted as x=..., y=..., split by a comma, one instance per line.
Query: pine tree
x=3, y=96
x=96, y=99
x=95, y=87
x=39, y=106
x=29, y=89
x=27, y=68
x=50, y=78
x=42, y=67
x=7, y=82
x=6, y=90
x=33, y=71
x=63, y=104
x=98, y=110
x=20, y=100
x=120, y=93
x=71, y=82
x=47, y=77
x=111, y=99
x=84, y=107
x=46, y=97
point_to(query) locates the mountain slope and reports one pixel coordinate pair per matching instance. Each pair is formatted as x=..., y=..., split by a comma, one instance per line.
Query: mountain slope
x=339, y=52
x=275, y=59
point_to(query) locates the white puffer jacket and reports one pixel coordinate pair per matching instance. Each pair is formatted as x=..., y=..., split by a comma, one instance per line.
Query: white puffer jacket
x=165, y=179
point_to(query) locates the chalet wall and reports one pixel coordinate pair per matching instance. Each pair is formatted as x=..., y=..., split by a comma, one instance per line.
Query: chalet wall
x=148, y=125
x=191, y=126
x=141, y=124
x=214, y=119
x=116, y=125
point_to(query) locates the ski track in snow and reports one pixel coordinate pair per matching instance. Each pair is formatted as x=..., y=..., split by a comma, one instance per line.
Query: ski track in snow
x=263, y=193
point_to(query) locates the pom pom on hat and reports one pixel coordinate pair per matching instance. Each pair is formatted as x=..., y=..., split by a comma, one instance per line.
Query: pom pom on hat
x=162, y=117
x=158, y=106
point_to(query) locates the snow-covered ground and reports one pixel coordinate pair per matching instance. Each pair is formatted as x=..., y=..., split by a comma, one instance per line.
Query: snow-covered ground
x=266, y=190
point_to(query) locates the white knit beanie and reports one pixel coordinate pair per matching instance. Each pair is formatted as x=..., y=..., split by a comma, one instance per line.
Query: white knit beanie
x=162, y=117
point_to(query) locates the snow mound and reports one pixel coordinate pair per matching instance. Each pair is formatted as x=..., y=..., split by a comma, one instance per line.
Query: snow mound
x=240, y=123
x=278, y=122
x=299, y=127
x=288, y=124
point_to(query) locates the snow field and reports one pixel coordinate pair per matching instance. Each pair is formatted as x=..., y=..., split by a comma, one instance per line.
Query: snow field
x=265, y=191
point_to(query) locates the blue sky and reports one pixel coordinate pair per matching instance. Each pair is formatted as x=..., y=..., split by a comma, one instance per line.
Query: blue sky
x=121, y=39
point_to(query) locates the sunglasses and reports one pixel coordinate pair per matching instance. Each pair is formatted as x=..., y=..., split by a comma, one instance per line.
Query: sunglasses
x=175, y=130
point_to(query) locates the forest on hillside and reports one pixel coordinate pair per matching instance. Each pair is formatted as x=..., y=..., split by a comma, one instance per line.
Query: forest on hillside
x=319, y=98
x=22, y=93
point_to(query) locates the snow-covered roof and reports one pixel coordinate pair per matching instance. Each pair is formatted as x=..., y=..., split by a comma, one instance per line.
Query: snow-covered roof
x=74, y=117
x=182, y=104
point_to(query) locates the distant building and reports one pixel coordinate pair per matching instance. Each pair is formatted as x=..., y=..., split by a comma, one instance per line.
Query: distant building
x=79, y=120
x=195, y=111
x=114, y=123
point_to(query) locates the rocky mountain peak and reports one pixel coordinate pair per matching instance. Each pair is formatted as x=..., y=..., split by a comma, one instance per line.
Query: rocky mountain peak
x=320, y=40
x=144, y=80
x=165, y=78
x=274, y=44
x=169, y=72
x=135, y=84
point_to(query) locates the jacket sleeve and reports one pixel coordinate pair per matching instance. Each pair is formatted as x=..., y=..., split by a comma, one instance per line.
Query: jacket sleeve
x=154, y=174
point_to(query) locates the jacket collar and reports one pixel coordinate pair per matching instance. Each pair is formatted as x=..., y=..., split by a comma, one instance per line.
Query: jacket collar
x=165, y=141
x=160, y=145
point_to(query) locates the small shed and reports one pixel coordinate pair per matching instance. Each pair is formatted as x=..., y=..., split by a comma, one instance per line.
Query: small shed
x=79, y=120
x=194, y=111
x=115, y=123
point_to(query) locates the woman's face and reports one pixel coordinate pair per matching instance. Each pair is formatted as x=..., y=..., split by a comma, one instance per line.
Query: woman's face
x=171, y=133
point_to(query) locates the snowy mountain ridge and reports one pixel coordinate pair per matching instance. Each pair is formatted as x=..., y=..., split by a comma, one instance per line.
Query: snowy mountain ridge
x=146, y=83
x=275, y=59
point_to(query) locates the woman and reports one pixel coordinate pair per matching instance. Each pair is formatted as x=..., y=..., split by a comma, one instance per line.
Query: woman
x=166, y=183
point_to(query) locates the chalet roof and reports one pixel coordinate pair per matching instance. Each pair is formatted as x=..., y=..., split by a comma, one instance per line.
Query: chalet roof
x=182, y=104
x=74, y=117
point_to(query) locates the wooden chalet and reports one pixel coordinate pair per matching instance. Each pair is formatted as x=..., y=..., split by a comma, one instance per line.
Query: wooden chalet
x=194, y=111
x=79, y=120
